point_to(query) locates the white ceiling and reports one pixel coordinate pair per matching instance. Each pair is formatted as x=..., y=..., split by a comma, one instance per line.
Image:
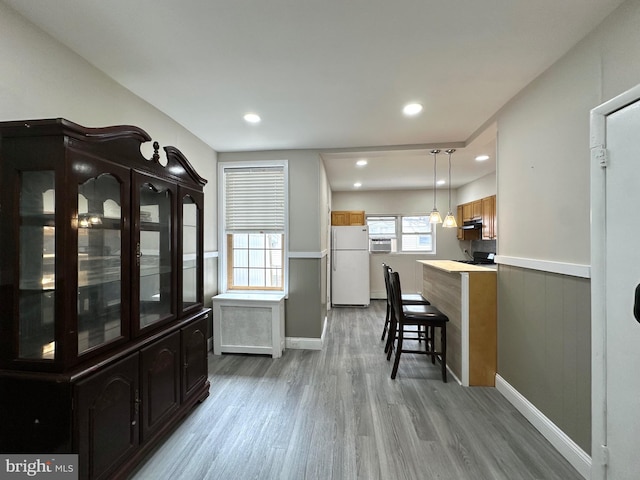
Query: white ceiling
x=328, y=74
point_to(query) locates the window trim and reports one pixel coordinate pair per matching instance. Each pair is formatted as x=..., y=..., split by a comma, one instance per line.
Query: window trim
x=432, y=230
x=249, y=287
x=223, y=283
x=399, y=233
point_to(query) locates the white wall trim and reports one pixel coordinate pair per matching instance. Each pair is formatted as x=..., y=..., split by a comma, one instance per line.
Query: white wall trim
x=321, y=254
x=563, y=268
x=464, y=327
x=577, y=457
x=307, y=343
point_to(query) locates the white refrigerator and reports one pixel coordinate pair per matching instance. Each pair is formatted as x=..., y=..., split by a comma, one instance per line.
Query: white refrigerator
x=350, y=265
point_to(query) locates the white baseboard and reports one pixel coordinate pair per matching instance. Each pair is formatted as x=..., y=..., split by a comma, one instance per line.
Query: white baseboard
x=577, y=457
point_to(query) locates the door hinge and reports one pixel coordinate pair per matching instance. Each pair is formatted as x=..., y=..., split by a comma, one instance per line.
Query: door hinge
x=605, y=454
x=601, y=155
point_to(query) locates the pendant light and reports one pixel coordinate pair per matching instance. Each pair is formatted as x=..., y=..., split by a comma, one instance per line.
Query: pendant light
x=450, y=220
x=434, y=216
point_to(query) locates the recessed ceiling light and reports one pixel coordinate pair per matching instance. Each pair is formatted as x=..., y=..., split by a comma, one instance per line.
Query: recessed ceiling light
x=357, y=184
x=441, y=182
x=252, y=118
x=361, y=163
x=482, y=158
x=412, y=109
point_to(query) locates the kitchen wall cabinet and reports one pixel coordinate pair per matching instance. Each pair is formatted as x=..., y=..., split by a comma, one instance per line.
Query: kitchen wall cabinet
x=484, y=209
x=467, y=212
x=476, y=208
x=103, y=330
x=342, y=217
x=459, y=220
x=489, y=218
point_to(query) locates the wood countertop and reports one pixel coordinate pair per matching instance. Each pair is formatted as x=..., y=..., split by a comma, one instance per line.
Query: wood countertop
x=452, y=266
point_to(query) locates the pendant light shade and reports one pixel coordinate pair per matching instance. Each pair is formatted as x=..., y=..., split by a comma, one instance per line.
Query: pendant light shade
x=434, y=216
x=450, y=220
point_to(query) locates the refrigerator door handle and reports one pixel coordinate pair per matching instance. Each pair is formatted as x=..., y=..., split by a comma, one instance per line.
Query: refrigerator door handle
x=334, y=257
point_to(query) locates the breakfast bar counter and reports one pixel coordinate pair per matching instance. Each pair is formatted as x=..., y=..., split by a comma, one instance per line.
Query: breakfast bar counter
x=467, y=294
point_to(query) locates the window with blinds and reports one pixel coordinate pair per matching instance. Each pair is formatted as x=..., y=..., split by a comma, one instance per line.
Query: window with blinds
x=255, y=199
x=255, y=210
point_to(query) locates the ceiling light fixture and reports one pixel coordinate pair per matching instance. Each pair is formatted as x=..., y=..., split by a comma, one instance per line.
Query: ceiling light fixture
x=357, y=184
x=482, y=158
x=412, y=109
x=362, y=162
x=434, y=216
x=252, y=118
x=450, y=220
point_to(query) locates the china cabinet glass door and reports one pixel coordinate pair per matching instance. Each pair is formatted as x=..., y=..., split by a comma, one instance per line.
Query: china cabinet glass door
x=36, y=319
x=154, y=252
x=100, y=237
x=191, y=219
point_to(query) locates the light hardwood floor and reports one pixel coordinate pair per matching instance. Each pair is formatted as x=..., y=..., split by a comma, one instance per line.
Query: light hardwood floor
x=336, y=414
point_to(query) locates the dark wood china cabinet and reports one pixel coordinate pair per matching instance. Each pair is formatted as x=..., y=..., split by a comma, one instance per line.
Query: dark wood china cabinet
x=103, y=333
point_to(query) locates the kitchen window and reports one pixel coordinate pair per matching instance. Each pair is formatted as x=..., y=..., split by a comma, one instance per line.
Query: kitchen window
x=400, y=233
x=254, y=215
x=416, y=234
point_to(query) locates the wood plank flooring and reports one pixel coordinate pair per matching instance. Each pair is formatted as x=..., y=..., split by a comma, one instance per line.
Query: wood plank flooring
x=336, y=414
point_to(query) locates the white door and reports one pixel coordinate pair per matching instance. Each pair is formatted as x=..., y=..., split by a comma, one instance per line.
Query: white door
x=617, y=411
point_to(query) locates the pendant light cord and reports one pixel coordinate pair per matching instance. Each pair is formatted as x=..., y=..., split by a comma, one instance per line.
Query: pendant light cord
x=450, y=151
x=435, y=158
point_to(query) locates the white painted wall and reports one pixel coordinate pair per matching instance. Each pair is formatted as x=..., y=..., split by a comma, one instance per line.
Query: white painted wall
x=41, y=78
x=481, y=188
x=543, y=143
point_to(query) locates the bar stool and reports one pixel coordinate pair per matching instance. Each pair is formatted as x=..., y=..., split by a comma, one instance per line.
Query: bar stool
x=407, y=299
x=426, y=316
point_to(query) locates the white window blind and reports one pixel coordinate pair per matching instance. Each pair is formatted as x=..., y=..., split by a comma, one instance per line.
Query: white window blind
x=255, y=199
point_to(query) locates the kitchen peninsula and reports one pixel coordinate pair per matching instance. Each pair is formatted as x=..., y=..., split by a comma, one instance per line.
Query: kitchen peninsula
x=467, y=294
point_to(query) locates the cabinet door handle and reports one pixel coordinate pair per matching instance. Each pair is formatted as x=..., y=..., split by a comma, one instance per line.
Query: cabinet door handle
x=138, y=254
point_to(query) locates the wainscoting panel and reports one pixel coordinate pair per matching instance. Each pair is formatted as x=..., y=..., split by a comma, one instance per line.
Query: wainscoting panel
x=544, y=345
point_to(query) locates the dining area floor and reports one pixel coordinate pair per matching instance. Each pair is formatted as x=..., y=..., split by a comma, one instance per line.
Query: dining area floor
x=336, y=414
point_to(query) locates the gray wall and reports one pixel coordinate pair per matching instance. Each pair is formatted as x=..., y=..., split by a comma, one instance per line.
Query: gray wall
x=543, y=176
x=305, y=306
x=544, y=345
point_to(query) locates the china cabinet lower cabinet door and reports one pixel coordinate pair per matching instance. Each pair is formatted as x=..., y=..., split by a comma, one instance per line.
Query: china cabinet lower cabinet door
x=160, y=383
x=35, y=415
x=107, y=418
x=194, y=357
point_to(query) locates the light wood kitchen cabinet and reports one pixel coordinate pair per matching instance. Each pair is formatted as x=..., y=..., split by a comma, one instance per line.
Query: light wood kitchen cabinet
x=484, y=209
x=489, y=218
x=347, y=217
x=467, y=212
x=476, y=209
